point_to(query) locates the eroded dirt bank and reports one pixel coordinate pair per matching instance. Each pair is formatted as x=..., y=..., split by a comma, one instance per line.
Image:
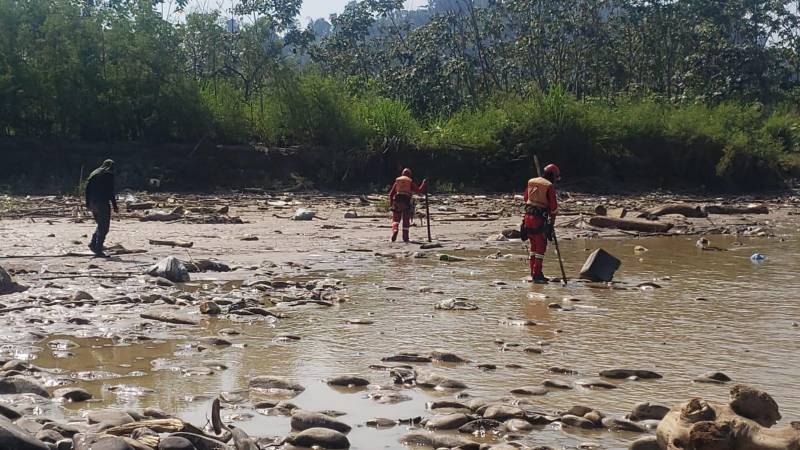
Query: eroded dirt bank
x=324, y=315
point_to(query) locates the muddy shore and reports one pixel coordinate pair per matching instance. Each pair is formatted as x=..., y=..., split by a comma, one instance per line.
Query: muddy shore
x=90, y=344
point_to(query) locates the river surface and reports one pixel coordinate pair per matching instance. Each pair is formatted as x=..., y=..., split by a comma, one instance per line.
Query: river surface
x=714, y=311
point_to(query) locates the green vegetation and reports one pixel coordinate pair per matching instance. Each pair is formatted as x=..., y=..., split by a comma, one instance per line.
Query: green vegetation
x=665, y=91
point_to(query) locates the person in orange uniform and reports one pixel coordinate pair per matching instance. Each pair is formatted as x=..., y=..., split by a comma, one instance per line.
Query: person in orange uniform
x=400, y=199
x=541, y=204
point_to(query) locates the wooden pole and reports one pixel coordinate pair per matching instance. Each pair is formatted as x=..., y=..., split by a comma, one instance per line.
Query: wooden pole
x=428, y=215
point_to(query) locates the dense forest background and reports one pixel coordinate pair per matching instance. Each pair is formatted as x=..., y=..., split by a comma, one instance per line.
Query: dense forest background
x=670, y=91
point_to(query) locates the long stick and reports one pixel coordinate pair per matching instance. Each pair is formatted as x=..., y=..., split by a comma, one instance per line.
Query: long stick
x=428, y=215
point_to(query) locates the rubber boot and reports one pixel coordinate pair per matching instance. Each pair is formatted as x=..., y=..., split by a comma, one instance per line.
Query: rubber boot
x=405, y=235
x=394, y=236
x=539, y=278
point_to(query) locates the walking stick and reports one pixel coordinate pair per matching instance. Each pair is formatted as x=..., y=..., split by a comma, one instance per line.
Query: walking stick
x=428, y=216
x=555, y=239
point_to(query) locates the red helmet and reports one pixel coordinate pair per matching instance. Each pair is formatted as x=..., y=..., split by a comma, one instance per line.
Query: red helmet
x=553, y=170
x=406, y=172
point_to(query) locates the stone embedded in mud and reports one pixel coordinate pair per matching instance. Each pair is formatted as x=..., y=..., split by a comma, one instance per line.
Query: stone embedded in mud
x=348, y=381
x=645, y=443
x=320, y=437
x=9, y=412
x=175, y=443
x=381, y=422
x=535, y=390
x=577, y=422
x=518, y=425
x=407, y=357
x=556, y=384
x=595, y=383
x=615, y=424
x=456, y=304
x=481, y=426
x=22, y=385
x=13, y=437
x=215, y=341
x=388, y=397
x=437, y=441
x=447, y=357
x=81, y=295
x=438, y=382
x=113, y=417
x=7, y=284
x=73, y=394
x=304, y=420
x=170, y=268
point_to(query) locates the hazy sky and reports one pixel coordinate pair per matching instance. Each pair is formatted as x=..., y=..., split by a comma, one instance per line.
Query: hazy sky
x=324, y=8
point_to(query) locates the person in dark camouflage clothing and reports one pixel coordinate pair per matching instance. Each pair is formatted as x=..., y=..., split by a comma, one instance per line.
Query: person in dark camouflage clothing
x=100, y=198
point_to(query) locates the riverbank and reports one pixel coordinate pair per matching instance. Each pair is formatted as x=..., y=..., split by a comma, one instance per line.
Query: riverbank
x=310, y=301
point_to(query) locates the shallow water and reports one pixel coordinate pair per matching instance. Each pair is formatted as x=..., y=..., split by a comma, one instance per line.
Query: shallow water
x=743, y=326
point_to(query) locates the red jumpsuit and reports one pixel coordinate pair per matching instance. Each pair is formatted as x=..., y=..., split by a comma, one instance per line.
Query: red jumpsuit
x=538, y=241
x=400, y=201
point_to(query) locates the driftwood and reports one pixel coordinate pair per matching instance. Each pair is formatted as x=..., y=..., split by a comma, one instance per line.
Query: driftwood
x=725, y=209
x=744, y=424
x=171, y=243
x=682, y=209
x=168, y=318
x=161, y=217
x=157, y=425
x=630, y=225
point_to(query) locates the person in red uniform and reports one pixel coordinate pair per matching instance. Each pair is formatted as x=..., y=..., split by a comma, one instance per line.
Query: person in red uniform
x=541, y=204
x=400, y=200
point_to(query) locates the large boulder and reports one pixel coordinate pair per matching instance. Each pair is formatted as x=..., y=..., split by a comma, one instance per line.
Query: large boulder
x=22, y=385
x=303, y=420
x=7, y=284
x=14, y=437
x=320, y=438
x=170, y=268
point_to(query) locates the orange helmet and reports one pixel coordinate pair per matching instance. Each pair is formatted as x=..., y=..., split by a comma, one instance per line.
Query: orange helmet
x=553, y=170
x=406, y=172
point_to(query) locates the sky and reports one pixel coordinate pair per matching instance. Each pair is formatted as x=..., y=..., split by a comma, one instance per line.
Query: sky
x=324, y=8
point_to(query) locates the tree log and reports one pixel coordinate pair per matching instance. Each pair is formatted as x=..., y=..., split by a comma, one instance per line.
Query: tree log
x=630, y=225
x=726, y=209
x=682, y=209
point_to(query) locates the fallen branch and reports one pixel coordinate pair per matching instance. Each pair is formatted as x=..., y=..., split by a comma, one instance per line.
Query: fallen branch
x=171, y=243
x=629, y=225
x=168, y=319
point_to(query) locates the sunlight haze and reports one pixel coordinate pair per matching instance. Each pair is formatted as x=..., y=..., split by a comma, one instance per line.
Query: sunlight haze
x=324, y=8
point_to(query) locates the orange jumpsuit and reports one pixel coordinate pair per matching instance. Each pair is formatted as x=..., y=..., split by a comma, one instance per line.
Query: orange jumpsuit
x=541, y=203
x=400, y=200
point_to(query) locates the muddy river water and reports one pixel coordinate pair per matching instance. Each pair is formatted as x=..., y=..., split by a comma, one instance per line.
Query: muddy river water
x=713, y=311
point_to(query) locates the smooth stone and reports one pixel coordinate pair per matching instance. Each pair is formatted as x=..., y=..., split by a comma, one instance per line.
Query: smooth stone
x=217, y=341
x=556, y=384
x=49, y=436
x=447, y=421
x=619, y=374
x=210, y=308
x=267, y=382
x=91, y=441
x=407, y=358
x=713, y=377
x=9, y=412
x=348, y=381
x=481, y=425
x=381, y=422
x=518, y=425
x=113, y=417
x=73, y=394
x=438, y=382
x=12, y=437
x=614, y=424
x=22, y=385
x=447, y=357
x=594, y=383
x=647, y=411
x=320, y=437
x=445, y=404
x=503, y=412
x=437, y=441
x=645, y=443
x=535, y=390
x=577, y=422
x=175, y=443
x=304, y=420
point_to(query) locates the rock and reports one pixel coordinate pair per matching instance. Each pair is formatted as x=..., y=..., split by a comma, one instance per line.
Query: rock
x=713, y=377
x=496, y=238
x=556, y=384
x=175, y=443
x=304, y=420
x=48, y=436
x=756, y=405
x=22, y=385
x=482, y=425
x=348, y=381
x=13, y=437
x=535, y=390
x=8, y=285
x=511, y=233
x=600, y=266
x=64, y=444
x=210, y=308
x=171, y=269
x=446, y=421
x=360, y=322
x=577, y=422
x=647, y=411
x=113, y=417
x=447, y=357
x=100, y=442
x=450, y=258
x=304, y=214
x=503, y=412
x=407, y=358
x=445, y=404
x=518, y=425
x=455, y=304
x=562, y=370
x=215, y=341
x=437, y=441
x=350, y=215
x=73, y=394
x=438, y=382
x=645, y=443
x=614, y=424
x=381, y=422
x=320, y=437
x=274, y=383
x=594, y=383
x=9, y=413
x=81, y=295
x=619, y=374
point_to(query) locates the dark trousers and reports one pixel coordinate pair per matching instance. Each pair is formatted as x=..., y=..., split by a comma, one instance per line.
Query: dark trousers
x=102, y=215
